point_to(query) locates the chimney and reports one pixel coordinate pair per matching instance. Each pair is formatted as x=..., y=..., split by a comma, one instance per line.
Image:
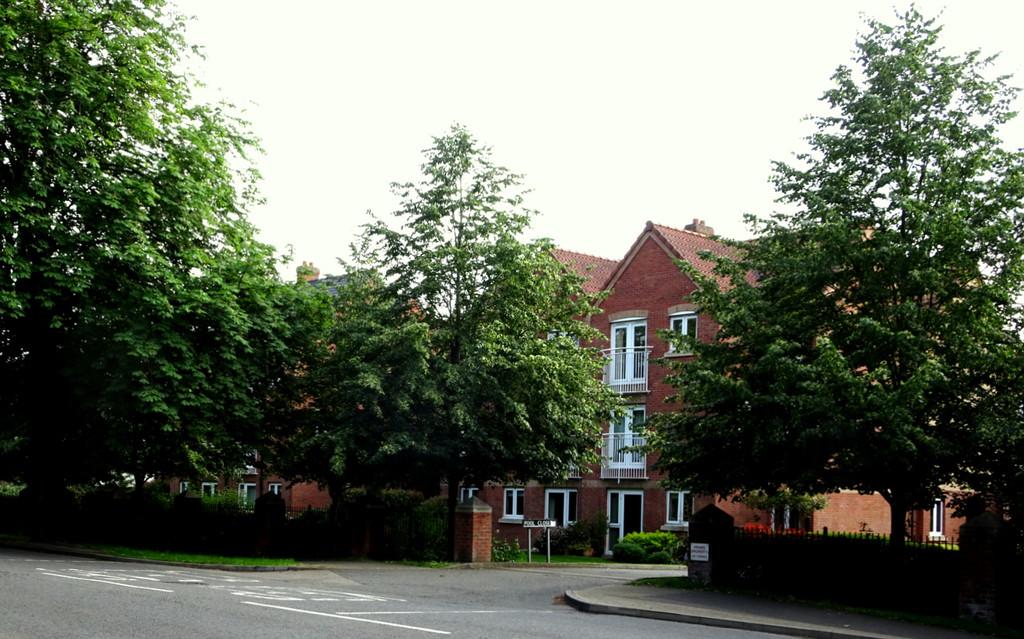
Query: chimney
x=698, y=226
x=307, y=272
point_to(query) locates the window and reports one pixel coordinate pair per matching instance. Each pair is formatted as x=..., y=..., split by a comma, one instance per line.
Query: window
x=682, y=324
x=275, y=488
x=629, y=350
x=247, y=494
x=182, y=487
x=680, y=507
x=622, y=439
x=938, y=517
x=514, y=498
x=467, y=492
x=209, y=488
x=560, y=505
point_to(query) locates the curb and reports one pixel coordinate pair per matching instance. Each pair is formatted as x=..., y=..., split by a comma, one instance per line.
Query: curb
x=72, y=551
x=590, y=566
x=575, y=600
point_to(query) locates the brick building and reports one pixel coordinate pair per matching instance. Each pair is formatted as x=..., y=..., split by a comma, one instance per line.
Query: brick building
x=647, y=294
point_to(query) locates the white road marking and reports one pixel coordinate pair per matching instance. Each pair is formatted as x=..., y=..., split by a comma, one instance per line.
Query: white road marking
x=347, y=618
x=268, y=595
x=446, y=612
x=102, y=581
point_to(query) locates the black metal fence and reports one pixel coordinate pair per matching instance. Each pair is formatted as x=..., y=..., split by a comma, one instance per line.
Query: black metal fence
x=854, y=569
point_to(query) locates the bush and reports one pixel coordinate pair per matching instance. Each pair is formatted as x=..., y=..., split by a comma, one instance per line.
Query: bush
x=652, y=542
x=574, y=539
x=596, y=529
x=629, y=553
x=659, y=557
x=505, y=550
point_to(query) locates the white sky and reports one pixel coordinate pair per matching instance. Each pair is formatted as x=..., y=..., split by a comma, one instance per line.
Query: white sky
x=616, y=113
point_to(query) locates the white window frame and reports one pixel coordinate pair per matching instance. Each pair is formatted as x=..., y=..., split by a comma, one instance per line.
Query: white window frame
x=683, y=320
x=621, y=434
x=208, y=488
x=243, y=489
x=182, y=487
x=274, y=487
x=518, y=497
x=565, y=515
x=937, y=520
x=467, y=492
x=682, y=496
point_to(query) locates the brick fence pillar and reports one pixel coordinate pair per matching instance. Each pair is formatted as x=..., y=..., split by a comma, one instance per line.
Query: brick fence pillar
x=986, y=552
x=473, y=531
x=711, y=529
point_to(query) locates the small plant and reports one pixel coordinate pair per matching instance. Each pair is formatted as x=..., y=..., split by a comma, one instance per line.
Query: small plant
x=629, y=553
x=659, y=557
x=505, y=550
x=596, y=528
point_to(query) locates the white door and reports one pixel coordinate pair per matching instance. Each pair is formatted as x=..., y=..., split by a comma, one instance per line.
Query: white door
x=622, y=438
x=629, y=344
x=625, y=514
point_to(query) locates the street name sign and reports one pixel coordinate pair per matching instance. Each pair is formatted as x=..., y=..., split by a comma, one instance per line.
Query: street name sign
x=539, y=523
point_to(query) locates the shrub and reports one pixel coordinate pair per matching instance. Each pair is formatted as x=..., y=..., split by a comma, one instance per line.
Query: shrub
x=653, y=542
x=399, y=499
x=629, y=553
x=505, y=550
x=659, y=557
x=574, y=539
x=596, y=530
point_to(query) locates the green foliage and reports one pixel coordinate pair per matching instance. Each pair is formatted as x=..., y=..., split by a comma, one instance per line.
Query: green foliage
x=659, y=557
x=596, y=530
x=574, y=539
x=143, y=328
x=505, y=550
x=499, y=401
x=800, y=503
x=653, y=542
x=363, y=377
x=880, y=346
x=628, y=553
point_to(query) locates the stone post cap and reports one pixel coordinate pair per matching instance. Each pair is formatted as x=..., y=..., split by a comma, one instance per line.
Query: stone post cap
x=474, y=505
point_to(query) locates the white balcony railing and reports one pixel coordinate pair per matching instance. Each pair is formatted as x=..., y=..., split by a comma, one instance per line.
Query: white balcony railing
x=626, y=369
x=622, y=456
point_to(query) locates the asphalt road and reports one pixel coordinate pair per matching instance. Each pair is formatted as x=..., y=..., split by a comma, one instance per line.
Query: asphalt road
x=55, y=596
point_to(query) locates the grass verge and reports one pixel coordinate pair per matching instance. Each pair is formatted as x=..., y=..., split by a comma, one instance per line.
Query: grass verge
x=190, y=558
x=684, y=583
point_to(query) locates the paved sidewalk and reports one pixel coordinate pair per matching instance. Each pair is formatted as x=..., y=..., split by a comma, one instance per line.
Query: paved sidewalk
x=746, y=613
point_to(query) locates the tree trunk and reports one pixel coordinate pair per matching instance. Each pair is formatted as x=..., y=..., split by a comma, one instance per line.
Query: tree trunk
x=897, y=522
x=140, y=486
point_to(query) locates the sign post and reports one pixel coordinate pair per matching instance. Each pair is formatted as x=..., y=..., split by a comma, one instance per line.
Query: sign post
x=529, y=525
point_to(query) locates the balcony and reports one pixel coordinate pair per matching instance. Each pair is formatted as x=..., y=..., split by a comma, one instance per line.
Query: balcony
x=626, y=369
x=622, y=456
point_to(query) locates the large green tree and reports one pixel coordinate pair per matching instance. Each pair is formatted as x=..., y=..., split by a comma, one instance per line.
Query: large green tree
x=878, y=338
x=504, y=402
x=364, y=381
x=142, y=328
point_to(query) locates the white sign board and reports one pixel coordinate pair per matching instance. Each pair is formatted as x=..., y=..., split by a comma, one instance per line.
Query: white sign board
x=699, y=552
x=539, y=523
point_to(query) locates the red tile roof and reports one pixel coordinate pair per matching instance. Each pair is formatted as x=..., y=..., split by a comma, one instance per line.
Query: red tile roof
x=689, y=245
x=596, y=270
